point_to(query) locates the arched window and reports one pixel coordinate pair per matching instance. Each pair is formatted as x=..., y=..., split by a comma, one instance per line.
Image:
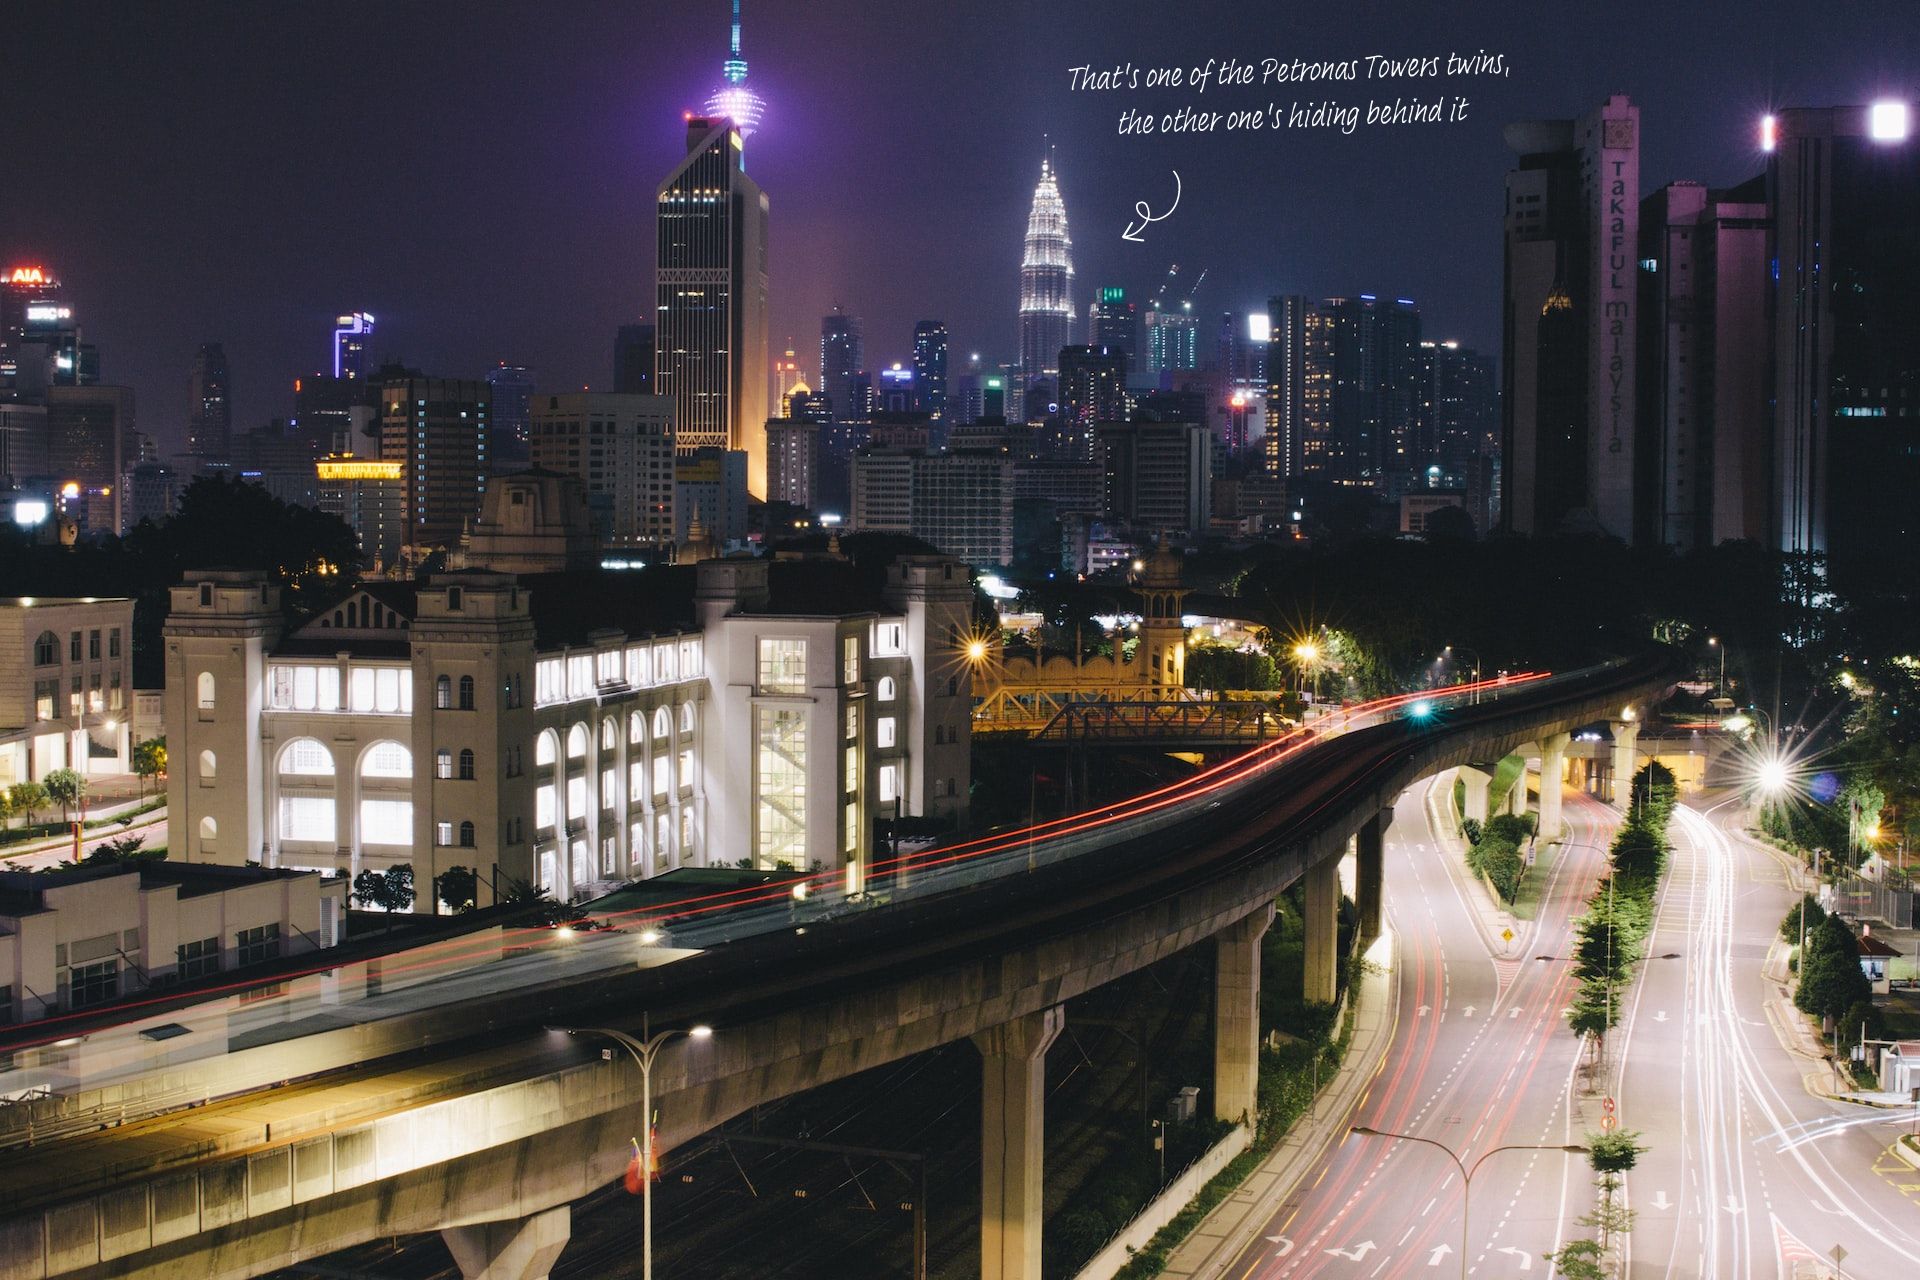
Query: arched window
x=443, y=764
x=466, y=693
x=46, y=650
x=209, y=828
x=636, y=728
x=545, y=748
x=387, y=760
x=466, y=765
x=887, y=690
x=577, y=742
x=307, y=757
x=209, y=767
x=686, y=717
x=205, y=690
x=466, y=835
x=662, y=723
x=443, y=694
x=609, y=734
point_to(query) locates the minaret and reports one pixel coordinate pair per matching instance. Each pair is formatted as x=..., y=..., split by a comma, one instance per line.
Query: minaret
x=734, y=99
x=1046, y=282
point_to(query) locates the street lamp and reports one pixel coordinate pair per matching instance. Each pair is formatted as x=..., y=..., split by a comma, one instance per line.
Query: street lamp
x=1714, y=641
x=1466, y=1173
x=1307, y=654
x=644, y=1050
x=1473, y=697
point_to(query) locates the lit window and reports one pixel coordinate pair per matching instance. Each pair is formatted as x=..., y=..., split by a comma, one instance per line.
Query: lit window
x=307, y=818
x=306, y=756
x=850, y=660
x=889, y=783
x=783, y=665
x=886, y=690
x=387, y=760
x=386, y=822
x=883, y=731
x=543, y=749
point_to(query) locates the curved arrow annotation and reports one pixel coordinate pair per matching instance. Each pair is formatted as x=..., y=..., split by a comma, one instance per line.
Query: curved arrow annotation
x=1146, y=214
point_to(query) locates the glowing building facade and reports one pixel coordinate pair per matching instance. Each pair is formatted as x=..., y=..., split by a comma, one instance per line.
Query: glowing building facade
x=1046, y=282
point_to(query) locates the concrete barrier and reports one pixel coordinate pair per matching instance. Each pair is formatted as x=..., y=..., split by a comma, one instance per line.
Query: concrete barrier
x=1165, y=1206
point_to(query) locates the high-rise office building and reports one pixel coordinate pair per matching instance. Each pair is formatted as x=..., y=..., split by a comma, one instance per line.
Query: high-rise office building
x=29, y=297
x=512, y=387
x=633, y=360
x=1114, y=323
x=793, y=460
x=371, y=497
x=1374, y=388
x=1704, y=419
x=1570, y=323
x=90, y=442
x=841, y=357
x=621, y=450
x=710, y=485
x=1843, y=186
x=1046, y=282
x=437, y=428
x=209, y=404
x=961, y=502
x=1158, y=476
x=40, y=343
x=930, y=368
x=352, y=334
x=1458, y=414
x=1093, y=389
x=1173, y=340
x=711, y=293
x=787, y=379
x=1286, y=382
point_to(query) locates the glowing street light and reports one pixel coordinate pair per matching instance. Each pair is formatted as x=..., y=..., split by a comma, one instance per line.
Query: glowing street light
x=1773, y=775
x=644, y=1050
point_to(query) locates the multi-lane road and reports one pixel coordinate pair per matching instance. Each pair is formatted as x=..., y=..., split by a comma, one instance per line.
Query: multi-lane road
x=1747, y=1172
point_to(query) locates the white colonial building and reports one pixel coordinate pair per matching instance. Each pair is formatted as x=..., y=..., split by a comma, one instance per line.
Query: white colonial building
x=66, y=685
x=571, y=730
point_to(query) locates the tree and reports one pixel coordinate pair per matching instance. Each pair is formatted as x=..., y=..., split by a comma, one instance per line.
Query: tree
x=28, y=798
x=65, y=787
x=456, y=887
x=1580, y=1260
x=391, y=890
x=1612, y=1156
x=1815, y=913
x=127, y=848
x=1830, y=977
x=149, y=760
x=1655, y=787
x=1862, y=1020
x=6, y=807
x=1640, y=851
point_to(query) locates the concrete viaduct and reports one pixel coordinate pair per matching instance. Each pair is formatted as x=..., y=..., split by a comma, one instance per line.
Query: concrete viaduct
x=487, y=1126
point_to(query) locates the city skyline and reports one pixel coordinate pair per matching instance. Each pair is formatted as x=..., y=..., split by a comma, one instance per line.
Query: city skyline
x=263, y=265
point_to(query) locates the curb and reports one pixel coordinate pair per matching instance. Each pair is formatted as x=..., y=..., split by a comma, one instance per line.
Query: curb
x=152, y=818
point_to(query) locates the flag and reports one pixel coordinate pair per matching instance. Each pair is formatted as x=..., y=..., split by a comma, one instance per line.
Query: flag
x=632, y=1179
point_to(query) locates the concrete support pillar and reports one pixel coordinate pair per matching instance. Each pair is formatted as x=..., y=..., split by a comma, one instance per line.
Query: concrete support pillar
x=1477, y=781
x=516, y=1249
x=1236, y=1018
x=1553, y=768
x=1322, y=959
x=1013, y=1142
x=1626, y=736
x=1369, y=871
x=1517, y=795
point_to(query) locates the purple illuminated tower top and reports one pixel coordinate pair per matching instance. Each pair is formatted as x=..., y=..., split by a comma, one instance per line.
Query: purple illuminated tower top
x=734, y=99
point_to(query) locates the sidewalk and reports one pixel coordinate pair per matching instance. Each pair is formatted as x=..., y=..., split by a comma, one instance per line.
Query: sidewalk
x=107, y=827
x=1488, y=917
x=1225, y=1233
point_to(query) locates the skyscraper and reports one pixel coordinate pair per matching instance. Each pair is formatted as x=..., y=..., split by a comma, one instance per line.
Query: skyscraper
x=209, y=404
x=1286, y=382
x=1093, y=389
x=1046, y=282
x=1114, y=323
x=512, y=387
x=734, y=100
x=1173, y=340
x=620, y=449
x=633, y=360
x=351, y=334
x=1569, y=323
x=930, y=367
x=436, y=428
x=840, y=359
x=711, y=296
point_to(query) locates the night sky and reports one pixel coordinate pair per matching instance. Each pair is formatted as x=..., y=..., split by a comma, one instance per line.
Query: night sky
x=480, y=176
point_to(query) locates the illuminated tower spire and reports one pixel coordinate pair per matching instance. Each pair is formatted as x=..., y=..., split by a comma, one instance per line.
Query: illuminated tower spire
x=1046, y=281
x=734, y=99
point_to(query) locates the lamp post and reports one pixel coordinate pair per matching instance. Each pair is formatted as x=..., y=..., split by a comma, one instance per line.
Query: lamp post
x=1714, y=641
x=1466, y=1173
x=1474, y=697
x=644, y=1050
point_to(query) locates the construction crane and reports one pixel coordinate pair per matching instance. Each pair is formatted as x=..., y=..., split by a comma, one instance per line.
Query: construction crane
x=1160, y=298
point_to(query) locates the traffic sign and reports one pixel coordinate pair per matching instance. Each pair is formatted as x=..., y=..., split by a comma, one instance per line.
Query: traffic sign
x=1606, y=1105
x=1506, y=935
x=1606, y=1124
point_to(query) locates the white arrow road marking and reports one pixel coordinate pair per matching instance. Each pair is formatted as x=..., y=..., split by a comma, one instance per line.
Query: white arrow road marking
x=1526, y=1259
x=1439, y=1251
x=1467, y=1012
x=1733, y=1206
x=1425, y=1009
x=1356, y=1253
x=1286, y=1245
x=1514, y=1012
x=1661, y=1202
x=1660, y=1016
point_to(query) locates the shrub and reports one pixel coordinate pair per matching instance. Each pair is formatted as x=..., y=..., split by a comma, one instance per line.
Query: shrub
x=1830, y=978
x=1515, y=828
x=1504, y=868
x=1790, y=927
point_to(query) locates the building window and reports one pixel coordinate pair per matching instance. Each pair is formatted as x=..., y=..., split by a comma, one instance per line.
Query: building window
x=205, y=683
x=73, y=647
x=466, y=765
x=453, y=599
x=92, y=984
x=850, y=660
x=889, y=639
x=386, y=822
x=542, y=808
x=783, y=665
x=466, y=693
x=443, y=834
x=45, y=694
x=387, y=760
x=255, y=946
x=609, y=734
x=662, y=723
x=209, y=766
x=196, y=959
x=545, y=748
x=443, y=694
x=577, y=742
x=850, y=830
x=883, y=732
x=886, y=690
x=466, y=835
x=686, y=717
x=46, y=650
x=93, y=646
x=206, y=595
x=307, y=818
x=113, y=643
x=889, y=783
x=780, y=786
x=443, y=764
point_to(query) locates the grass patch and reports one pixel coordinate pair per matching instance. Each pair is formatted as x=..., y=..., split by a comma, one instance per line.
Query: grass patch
x=1505, y=774
x=1526, y=903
